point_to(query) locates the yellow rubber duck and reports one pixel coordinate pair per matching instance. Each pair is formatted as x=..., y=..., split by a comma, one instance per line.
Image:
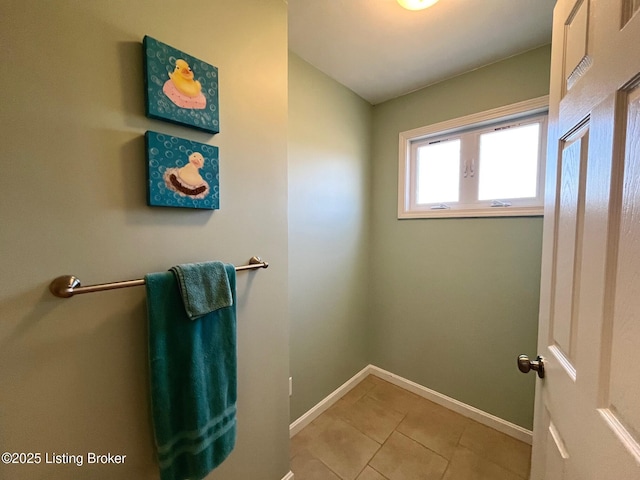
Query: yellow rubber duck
x=182, y=78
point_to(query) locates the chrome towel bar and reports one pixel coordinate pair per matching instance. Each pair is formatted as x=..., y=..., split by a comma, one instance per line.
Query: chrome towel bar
x=67, y=286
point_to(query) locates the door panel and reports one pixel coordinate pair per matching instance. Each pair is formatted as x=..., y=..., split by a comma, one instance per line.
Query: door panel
x=620, y=382
x=576, y=60
x=630, y=8
x=570, y=210
x=557, y=454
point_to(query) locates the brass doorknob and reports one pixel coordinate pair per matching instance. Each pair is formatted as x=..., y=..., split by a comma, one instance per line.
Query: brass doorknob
x=525, y=365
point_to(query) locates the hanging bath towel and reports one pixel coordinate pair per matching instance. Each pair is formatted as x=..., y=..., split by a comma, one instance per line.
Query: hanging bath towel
x=192, y=374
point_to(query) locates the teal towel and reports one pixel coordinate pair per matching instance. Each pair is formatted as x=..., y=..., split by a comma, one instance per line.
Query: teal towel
x=193, y=368
x=204, y=287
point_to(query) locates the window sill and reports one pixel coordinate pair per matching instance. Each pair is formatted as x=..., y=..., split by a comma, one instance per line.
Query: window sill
x=474, y=213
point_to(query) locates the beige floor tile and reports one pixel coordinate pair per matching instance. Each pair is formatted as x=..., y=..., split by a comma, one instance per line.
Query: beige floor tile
x=401, y=458
x=307, y=467
x=435, y=427
x=360, y=390
x=369, y=416
x=370, y=474
x=301, y=441
x=429, y=441
x=394, y=397
x=467, y=465
x=375, y=380
x=341, y=447
x=497, y=447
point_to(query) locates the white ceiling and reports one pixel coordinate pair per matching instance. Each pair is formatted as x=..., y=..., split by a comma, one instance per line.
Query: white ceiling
x=381, y=51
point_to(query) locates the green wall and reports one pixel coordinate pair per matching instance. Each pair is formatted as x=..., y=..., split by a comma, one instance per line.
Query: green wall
x=446, y=303
x=73, y=201
x=454, y=301
x=329, y=157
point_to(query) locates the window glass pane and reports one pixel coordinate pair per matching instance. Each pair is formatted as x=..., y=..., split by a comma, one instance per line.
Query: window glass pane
x=438, y=171
x=509, y=163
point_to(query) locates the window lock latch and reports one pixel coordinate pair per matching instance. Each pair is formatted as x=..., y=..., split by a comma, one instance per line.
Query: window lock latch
x=500, y=203
x=442, y=206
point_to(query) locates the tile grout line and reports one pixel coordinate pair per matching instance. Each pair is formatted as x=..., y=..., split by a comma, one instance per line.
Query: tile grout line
x=424, y=446
x=379, y=448
x=404, y=415
x=379, y=473
x=325, y=464
x=492, y=462
x=374, y=455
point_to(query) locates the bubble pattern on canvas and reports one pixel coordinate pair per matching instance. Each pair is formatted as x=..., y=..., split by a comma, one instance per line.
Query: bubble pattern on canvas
x=166, y=152
x=160, y=61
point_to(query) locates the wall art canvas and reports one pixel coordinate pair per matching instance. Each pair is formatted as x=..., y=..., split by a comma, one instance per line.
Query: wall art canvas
x=180, y=88
x=181, y=173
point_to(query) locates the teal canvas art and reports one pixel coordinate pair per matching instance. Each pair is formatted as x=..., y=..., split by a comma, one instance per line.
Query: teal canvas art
x=180, y=88
x=181, y=173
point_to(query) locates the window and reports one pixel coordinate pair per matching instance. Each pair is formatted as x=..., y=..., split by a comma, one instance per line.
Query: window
x=484, y=165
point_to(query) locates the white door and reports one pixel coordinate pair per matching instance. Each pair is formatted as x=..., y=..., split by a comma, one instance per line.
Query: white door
x=587, y=417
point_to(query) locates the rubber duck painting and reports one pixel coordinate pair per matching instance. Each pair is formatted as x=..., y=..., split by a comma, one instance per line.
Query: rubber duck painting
x=187, y=180
x=182, y=78
x=182, y=89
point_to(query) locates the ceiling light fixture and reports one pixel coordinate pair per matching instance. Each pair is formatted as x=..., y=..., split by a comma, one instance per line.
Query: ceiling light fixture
x=416, y=4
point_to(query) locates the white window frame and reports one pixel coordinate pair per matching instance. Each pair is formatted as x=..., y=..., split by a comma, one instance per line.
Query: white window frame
x=408, y=208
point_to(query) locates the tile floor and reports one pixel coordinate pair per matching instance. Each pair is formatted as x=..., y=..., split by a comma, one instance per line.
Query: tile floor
x=379, y=431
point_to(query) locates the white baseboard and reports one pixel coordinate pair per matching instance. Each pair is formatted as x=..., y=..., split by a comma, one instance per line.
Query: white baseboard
x=476, y=414
x=288, y=476
x=332, y=398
